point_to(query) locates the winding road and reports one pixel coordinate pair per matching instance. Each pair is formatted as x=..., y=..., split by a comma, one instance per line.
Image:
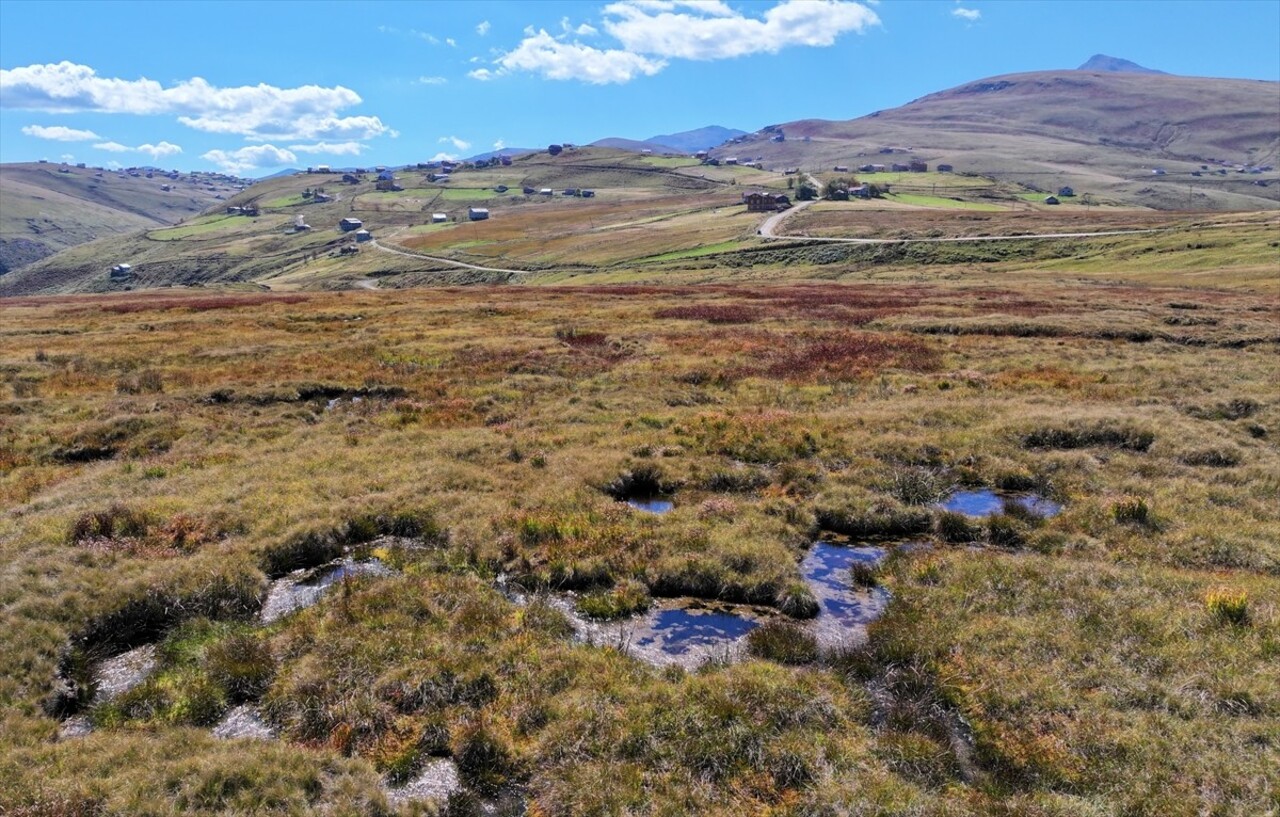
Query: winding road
x=437, y=259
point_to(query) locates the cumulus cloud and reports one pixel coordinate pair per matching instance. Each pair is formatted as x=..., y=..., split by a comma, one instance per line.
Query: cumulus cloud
x=971, y=15
x=717, y=32
x=499, y=145
x=652, y=32
x=68, y=157
x=460, y=144
x=449, y=41
x=255, y=157
x=551, y=58
x=483, y=28
x=431, y=80
x=331, y=148
x=157, y=151
x=59, y=134
x=257, y=112
x=444, y=157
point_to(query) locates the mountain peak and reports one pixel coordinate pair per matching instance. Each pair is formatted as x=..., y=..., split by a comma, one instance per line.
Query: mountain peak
x=1101, y=62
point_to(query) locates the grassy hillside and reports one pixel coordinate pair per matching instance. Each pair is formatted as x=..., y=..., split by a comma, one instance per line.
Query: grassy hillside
x=45, y=208
x=1103, y=133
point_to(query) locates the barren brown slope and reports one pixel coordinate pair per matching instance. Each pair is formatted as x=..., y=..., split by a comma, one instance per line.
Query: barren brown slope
x=1106, y=132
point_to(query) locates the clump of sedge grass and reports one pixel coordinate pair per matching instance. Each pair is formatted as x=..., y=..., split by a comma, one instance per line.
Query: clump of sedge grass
x=1132, y=510
x=1220, y=457
x=784, y=642
x=865, y=574
x=1228, y=606
x=627, y=598
x=955, y=528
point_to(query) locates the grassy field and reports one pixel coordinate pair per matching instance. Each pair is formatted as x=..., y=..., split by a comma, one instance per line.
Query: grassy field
x=164, y=455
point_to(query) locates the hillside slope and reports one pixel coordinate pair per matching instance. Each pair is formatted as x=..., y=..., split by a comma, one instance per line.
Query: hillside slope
x=45, y=208
x=1105, y=132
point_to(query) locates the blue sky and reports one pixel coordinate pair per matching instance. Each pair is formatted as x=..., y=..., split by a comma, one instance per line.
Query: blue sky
x=251, y=87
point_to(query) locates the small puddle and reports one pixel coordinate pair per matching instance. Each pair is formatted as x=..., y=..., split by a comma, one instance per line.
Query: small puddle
x=651, y=504
x=675, y=632
x=243, y=721
x=986, y=502
x=303, y=588
x=845, y=609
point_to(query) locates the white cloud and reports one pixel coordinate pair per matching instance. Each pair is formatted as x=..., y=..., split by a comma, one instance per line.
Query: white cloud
x=331, y=148
x=460, y=144
x=154, y=151
x=114, y=165
x=550, y=58
x=971, y=15
x=59, y=134
x=483, y=28
x=651, y=32
x=449, y=41
x=431, y=80
x=584, y=30
x=68, y=157
x=250, y=158
x=718, y=32
x=159, y=151
x=499, y=145
x=444, y=157
x=257, y=112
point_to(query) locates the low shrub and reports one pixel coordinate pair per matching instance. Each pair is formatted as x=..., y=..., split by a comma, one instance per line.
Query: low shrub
x=118, y=521
x=714, y=313
x=147, y=381
x=784, y=642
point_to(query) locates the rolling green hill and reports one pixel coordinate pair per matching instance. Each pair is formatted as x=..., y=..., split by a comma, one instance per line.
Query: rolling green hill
x=45, y=208
x=1102, y=132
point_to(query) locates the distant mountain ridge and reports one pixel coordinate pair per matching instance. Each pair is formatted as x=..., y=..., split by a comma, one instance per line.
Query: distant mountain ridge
x=1101, y=62
x=690, y=141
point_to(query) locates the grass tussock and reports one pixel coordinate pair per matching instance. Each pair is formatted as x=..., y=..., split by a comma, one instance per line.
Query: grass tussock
x=784, y=642
x=1090, y=434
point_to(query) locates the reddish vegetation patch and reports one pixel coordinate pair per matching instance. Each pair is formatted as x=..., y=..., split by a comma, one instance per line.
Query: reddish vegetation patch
x=200, y=304
x=714, y=313
x=846, y=355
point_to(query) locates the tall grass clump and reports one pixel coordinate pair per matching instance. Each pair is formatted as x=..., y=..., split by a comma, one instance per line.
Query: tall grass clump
x=784, y=642
x=1228, y=606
